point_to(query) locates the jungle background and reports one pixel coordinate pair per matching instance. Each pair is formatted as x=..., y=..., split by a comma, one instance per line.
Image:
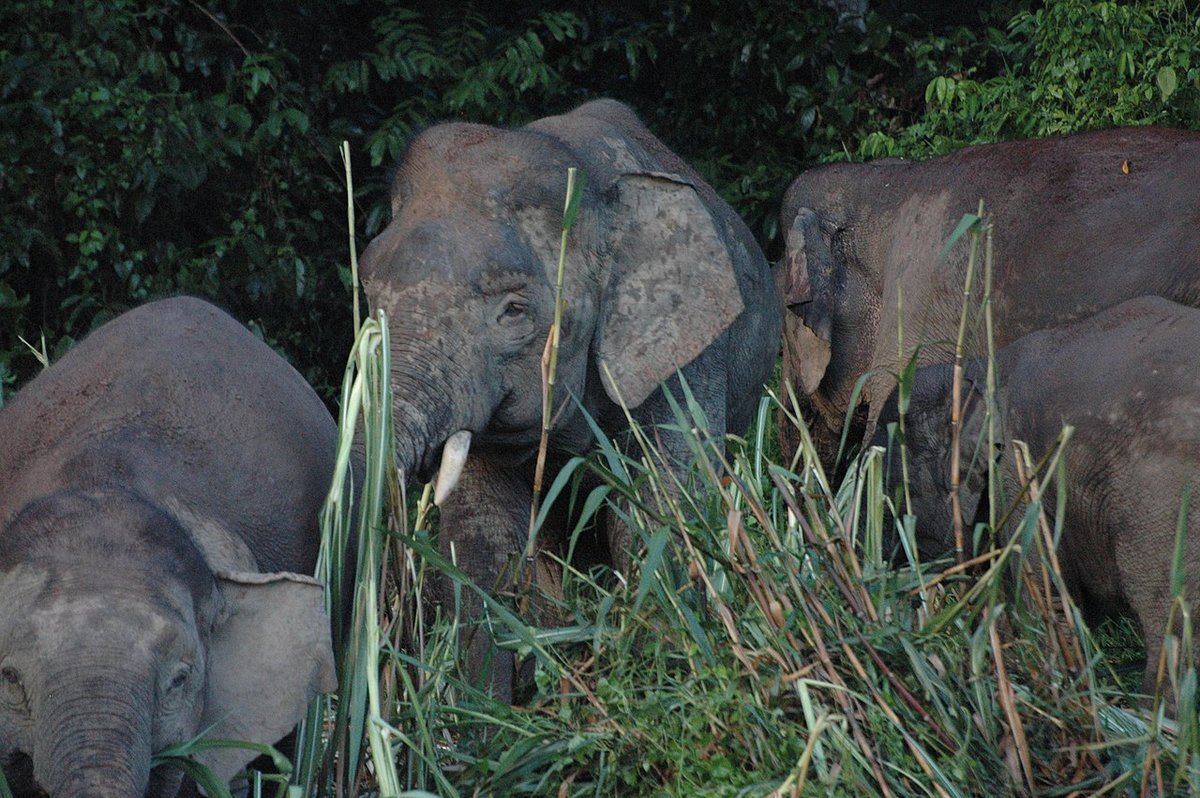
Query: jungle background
x=151, y=147
x=154, y=147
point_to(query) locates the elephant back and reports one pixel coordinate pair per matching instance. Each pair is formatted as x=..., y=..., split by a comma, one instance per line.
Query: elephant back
x=175, y=401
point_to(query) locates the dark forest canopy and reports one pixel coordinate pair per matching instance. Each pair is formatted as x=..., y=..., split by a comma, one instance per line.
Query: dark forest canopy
x=152, y=148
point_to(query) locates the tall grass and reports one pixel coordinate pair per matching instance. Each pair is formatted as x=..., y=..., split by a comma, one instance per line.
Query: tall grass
x=762, y=643
x=761, y=646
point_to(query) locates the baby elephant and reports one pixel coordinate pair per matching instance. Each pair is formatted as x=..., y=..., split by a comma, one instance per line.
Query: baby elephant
x=1128, y=380
x=159, y=487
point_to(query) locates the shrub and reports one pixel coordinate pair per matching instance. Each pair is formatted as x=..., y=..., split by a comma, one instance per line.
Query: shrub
x=161, y=147
x=1068, y=66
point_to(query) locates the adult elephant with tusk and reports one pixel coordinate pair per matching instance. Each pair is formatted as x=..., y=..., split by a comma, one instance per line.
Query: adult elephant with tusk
x=662, y=279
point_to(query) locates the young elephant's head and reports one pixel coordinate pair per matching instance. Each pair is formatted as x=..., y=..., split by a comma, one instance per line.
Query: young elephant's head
x=929, y=455
x=466, y=273
x=117, y=640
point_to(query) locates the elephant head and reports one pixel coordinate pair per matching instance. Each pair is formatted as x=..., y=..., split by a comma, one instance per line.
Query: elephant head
x=832, y=298
x=660, y=279
x=466, y=273
x=122, y=634
x=927, y=438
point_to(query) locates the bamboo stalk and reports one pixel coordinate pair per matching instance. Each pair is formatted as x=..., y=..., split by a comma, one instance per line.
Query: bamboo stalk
x=956, y=396
x=1008, y=702
x=995, y=476
x=550, y=360
x=350, y=226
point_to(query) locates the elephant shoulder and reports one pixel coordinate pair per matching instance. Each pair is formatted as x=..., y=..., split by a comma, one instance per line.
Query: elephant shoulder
x=834, y=188
x=612, y=112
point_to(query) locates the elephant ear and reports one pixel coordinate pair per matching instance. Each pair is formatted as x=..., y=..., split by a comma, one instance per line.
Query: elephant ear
x=267, y=659
x=672, y=289
x=804, y=281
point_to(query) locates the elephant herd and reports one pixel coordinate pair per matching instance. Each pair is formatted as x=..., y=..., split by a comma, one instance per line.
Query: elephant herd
x=160, y=484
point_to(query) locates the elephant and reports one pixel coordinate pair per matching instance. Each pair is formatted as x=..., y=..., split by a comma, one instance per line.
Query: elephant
x=1126, y=380
x=1081, y=223
x=159, y=495
x=662, y=281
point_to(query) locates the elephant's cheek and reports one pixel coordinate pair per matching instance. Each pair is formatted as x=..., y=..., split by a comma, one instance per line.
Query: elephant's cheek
x=179, y=721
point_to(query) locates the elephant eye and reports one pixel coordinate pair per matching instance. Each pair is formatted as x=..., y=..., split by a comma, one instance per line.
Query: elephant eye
x=513, y=309
x=11, y=690
x=180, y=677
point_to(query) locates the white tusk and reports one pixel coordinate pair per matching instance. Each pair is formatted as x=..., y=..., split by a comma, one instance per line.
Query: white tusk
x=454, y=455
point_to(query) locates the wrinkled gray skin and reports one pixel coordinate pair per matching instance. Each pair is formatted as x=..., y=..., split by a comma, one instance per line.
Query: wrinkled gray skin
x=159, y=485
x=1073, y=234
x=661, y=275
x=1128, y=380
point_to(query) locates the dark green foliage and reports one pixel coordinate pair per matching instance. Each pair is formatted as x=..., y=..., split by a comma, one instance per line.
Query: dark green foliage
x=146, y=153
x=1072, y=65
x=151, y=148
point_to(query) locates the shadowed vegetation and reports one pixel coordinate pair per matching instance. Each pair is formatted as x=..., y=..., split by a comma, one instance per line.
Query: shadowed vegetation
x=761, y=645
x=156, y=148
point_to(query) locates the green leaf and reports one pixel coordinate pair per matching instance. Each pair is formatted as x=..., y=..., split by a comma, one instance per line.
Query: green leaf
x=297, y=119
x=968, y=221
x=274, y=124
x=575, y=186
x=1167, y=81
x=1181, y=535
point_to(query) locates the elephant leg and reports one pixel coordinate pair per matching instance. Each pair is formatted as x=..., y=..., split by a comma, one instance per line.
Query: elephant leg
x=484, y=528
x=1149, y=596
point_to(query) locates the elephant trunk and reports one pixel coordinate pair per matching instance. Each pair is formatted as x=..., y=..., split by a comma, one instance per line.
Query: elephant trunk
x=94, y=736
x=418, y=432
x=434, y=396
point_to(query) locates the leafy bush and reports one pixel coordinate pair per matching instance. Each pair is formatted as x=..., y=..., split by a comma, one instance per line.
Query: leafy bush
x=162, y=147
x=1068, y=66
x=147, y=151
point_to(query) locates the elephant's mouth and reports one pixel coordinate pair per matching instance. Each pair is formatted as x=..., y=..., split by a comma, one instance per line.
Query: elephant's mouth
x=19, y=772
x=815, y=318
x=500, y=440
x=450, y=462
x=427, y=468
x=508, y=446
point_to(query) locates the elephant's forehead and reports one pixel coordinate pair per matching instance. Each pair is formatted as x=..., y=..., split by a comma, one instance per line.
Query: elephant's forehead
x=131, y=622
x=436, y=296
x=421, y=295
x=457, y=245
